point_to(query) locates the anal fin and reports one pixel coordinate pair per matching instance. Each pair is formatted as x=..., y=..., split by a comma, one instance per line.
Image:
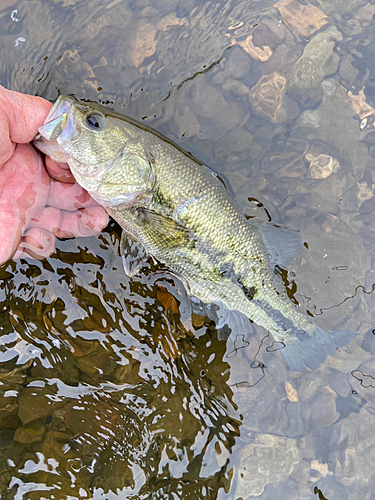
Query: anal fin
x=227, y=321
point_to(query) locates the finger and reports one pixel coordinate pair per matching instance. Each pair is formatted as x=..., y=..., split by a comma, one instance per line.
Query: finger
x=23, y=114
x=69, y=196
x=86, y=222
x=59, y=171
x=10, y=230
x=36, y=243
x=6, y=145
x=65, y=224
x=24, y=185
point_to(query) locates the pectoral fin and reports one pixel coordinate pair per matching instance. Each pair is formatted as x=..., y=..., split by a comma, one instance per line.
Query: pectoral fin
x=169, y=230
x=133, y=254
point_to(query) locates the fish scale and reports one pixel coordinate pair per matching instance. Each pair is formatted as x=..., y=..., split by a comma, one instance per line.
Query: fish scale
x=177, y=210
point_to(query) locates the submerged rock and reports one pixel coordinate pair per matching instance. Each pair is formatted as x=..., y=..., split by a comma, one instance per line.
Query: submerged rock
x=318, y=59
x=267, y=460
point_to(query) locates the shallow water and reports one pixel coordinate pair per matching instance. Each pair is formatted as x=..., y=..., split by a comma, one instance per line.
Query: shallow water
x=104, y=392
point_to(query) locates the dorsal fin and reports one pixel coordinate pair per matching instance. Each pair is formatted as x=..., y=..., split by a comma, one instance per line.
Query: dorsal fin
x=282, y=245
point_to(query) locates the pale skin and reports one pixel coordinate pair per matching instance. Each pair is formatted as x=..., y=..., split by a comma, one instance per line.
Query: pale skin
x=39, y=199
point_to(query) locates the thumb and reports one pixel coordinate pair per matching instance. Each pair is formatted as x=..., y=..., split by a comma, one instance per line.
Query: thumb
x=20, y=117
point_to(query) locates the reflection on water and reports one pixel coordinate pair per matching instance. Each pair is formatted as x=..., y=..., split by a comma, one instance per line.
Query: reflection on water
x=108, y=389
x=104, y=387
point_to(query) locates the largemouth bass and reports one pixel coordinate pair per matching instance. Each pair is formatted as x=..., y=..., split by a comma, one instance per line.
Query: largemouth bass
x=177, y=210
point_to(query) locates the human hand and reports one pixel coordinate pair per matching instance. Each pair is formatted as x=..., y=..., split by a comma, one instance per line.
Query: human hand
x=38, y=201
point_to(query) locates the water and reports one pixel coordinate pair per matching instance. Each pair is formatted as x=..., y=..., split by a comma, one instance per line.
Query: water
x=104, y=392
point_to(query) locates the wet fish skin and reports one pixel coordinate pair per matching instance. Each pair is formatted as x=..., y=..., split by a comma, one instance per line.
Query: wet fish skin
x=177, y=210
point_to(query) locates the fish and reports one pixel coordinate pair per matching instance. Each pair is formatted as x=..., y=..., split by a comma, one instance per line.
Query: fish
x=178, y=211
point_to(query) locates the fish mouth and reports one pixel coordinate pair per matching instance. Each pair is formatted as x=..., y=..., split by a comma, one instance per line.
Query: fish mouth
x=51, y=130
x=59, y=127
x=62, y=105
x=60, y=122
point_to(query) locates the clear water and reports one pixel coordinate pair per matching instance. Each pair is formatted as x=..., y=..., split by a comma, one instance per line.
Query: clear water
x=103, y=393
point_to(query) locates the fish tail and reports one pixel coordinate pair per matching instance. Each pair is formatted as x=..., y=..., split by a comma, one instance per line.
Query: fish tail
x=304, y=345
x=310, y=350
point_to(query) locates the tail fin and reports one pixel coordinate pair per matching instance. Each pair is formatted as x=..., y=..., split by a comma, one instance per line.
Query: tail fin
x=301, y=350
x=309, y=351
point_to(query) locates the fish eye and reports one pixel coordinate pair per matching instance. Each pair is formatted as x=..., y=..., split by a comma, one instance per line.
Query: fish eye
x=95, y=121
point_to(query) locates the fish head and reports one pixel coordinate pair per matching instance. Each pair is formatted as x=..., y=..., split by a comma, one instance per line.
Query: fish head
x=104, y=151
